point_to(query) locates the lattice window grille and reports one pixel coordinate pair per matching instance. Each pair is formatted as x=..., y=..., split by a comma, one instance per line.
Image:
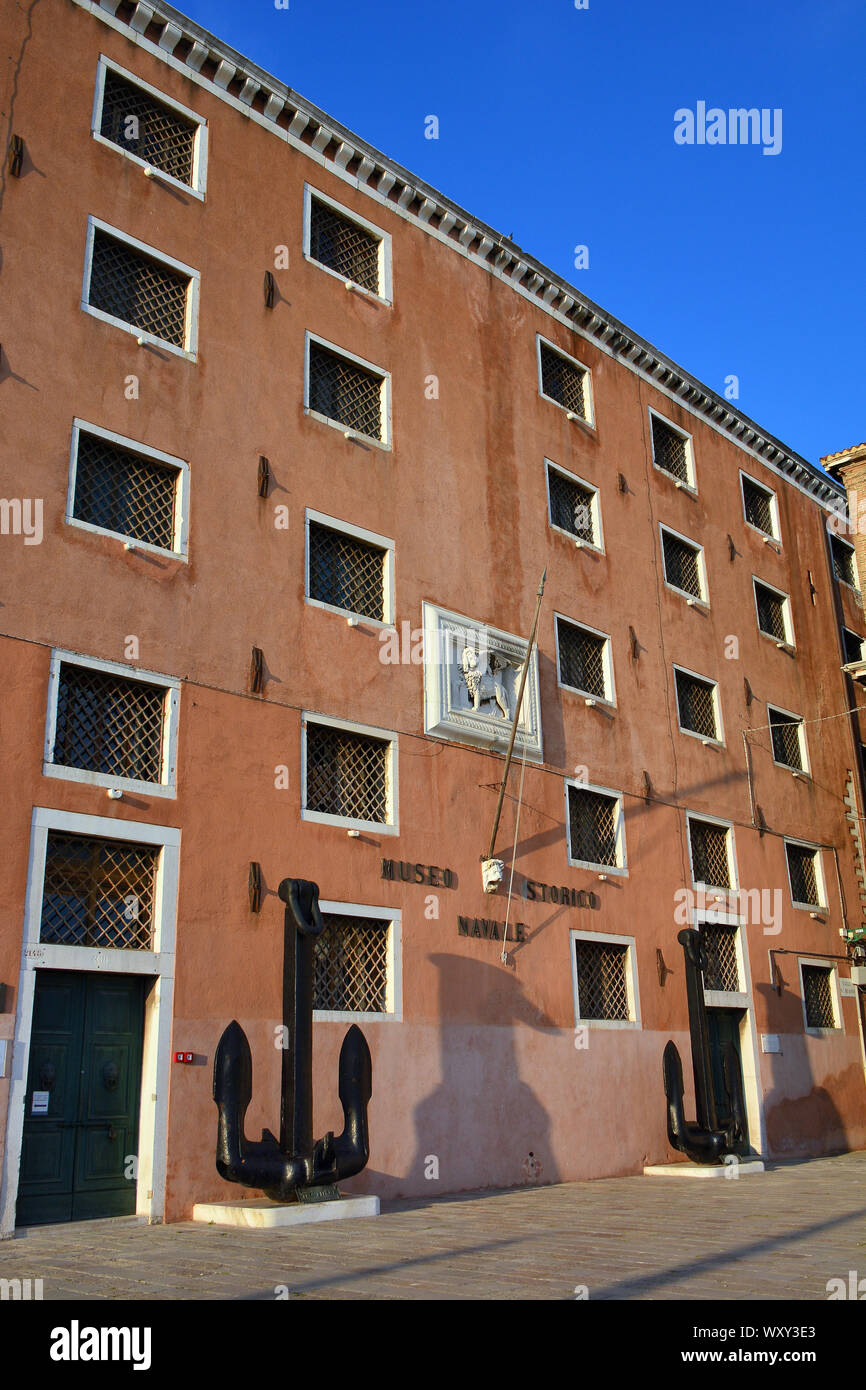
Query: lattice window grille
x=140, y=291
x=123, y=492
x=696, y=700
x=593, y=826
x=710, y=860
x=804, y=875
x=843, y=561
x=670, y=449
x=141, y=125
x=771, y=613
x=563, y=381
x=571, y=506
x=106, y=723
x=98, y=893
x=347, y=774
x=787, y=748
x=343, y=246
x=682, y=566
x=345, y=392
x=601, y=979
x=581, y=659
x=723, y=969
x=758, y=507
x=347, y=572
x=351, y=965
x=818, y=994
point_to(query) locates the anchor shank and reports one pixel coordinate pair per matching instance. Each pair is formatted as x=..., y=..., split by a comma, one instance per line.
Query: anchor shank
x=296, y=1105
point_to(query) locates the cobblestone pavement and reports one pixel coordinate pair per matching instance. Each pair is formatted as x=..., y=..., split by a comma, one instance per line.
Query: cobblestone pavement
x=780, y=1235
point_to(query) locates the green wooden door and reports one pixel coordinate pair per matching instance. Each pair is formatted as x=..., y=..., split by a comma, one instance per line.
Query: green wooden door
x=83, y=1088
x=723, y=1026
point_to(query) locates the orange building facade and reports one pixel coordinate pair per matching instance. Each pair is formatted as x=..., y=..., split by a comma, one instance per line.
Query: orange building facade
x=283, y=467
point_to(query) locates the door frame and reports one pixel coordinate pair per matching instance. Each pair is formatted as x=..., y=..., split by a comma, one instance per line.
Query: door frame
x=753, y=1094
x=158, y=1005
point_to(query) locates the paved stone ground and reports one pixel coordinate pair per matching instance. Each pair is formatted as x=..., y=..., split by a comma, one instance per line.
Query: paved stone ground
x=780, y=1235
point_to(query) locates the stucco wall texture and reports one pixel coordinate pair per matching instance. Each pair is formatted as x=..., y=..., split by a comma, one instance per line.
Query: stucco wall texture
x=483, y=1068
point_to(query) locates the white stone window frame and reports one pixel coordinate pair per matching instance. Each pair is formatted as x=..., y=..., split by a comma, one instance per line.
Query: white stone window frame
x=383, y=543
x=719, y=740
x=595, y=507
x=820, y=878
x=726, y=894
x=690, y=485
x=198, y=187
x=839, y=1024
x=789, y=643
x=701, y=600
x=158, y=964
x=386, y=294
x=833, y=536
x=146, y=452
x=849, y=631
x=589, y=401
x=776, y=534
x=394, y=988
x=723, y=917
x=620, y=868
x=167, y=785
x=805, y=770
x=188, y=351
x=388, y=736
x=609, y=697
x=384, y=387
x=633, y=1022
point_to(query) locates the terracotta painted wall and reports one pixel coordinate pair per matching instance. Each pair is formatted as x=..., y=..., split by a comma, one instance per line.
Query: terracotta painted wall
x=483, y=1068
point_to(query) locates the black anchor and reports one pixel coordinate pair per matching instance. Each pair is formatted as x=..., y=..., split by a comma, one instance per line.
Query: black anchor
x=285, y=1170
x=705, y=1141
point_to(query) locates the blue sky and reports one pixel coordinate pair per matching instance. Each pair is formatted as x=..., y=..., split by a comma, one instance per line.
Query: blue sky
x=556, y=126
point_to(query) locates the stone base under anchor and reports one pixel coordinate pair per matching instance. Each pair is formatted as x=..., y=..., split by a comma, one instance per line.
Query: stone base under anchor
x=743, y=1168
x=261, y=1213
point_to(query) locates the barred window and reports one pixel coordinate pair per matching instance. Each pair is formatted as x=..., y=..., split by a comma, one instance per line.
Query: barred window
x=720, y=944
x=602, y=990
x=344, y=246
x=572, y=506
x=682, y=564
x=696, y=701
x=563, y=380
x=818, y=996
x=786, y=733
x=843, y=561
x=98, y=892
x=351, y=965
x=803, y=874
x=758, y=506
x=593, y=822
x=772, y=612
x=710, y=858
x=347, y=572
x=106, y=723
x=347, y=774
x=125, y=492
x=138, y=289
x=582, y=659
x=853, y=646
x=345, y=392
x=138, y=123
x=671, y=449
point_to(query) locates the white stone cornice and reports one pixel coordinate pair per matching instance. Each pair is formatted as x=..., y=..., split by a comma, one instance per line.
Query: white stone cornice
x=344, y=155
x=544, y=288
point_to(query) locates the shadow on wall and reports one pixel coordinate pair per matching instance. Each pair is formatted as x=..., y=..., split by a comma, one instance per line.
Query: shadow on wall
x=801, y=1118
x=482, y=1126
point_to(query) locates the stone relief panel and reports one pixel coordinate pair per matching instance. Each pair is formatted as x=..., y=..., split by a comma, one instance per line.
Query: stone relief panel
x=471, y=679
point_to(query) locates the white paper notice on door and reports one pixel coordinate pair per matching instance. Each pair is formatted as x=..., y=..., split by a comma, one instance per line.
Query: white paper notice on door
x=39, y=1103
